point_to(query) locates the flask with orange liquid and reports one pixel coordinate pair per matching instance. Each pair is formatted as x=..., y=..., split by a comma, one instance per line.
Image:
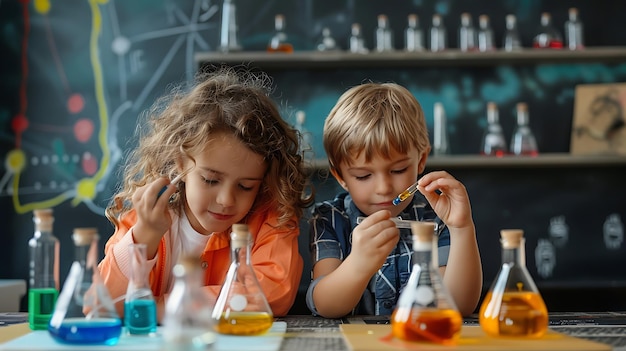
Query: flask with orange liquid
x=513, y=307
x=279, y=41
x=425, y=311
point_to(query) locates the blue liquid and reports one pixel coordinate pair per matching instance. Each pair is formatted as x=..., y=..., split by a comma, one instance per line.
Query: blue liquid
x=140, y=316
x=81, y=331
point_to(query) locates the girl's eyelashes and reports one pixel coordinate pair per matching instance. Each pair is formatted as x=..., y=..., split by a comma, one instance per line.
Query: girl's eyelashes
x=215, y=181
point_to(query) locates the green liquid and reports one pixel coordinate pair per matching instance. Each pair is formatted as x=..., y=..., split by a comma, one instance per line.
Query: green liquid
x=41, y=303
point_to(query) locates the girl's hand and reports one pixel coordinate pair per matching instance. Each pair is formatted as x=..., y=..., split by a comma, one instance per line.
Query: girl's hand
x=372, y=241
x=151, y=204
x=452, y=204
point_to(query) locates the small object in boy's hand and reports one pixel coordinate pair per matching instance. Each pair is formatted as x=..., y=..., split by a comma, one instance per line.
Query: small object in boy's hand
x=173, y=182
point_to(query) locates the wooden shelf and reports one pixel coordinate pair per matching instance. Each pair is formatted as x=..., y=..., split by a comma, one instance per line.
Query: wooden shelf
x=545, y=160
x=451, y=57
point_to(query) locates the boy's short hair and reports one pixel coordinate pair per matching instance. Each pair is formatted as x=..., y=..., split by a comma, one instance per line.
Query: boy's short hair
x=374, y=118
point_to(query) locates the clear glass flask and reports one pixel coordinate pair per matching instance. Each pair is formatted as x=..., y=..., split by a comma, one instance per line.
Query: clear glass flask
x=438, y=34
x=440, y=131
x=512, y=41
x=547, y=35
x=413, y=35
x=523, y=142
x=513, y=306
x=383, y=36
x=467, y=33
x=494, y=142
x=241, y=306
x=188, y=323
x=228, y=34
x=84, y=313
x=356, y=43
x=485, y=34
x=279, y=41
x=425, y=311
x=574, y=30
x=43, y=282
x=326, y=41
x=140, y=311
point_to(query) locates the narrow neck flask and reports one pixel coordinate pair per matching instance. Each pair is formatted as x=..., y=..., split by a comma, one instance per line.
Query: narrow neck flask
x=512, y=41
x=438, y=35
x=43, y=270
x=494, y=143
x=383, y=37
x=326, y=42
x=413, y=35
x=356, y=42
x=279, y=41
x=523, y=142
x=440, y=137
x=467, y=33
x=547, y=35
x=228, y=34
x=140, y=311
x=485, y=34
x=84, y=313
x=425, y=311
x=187, y=323
x=513, y=307
x=241, y=306
x=574, y=31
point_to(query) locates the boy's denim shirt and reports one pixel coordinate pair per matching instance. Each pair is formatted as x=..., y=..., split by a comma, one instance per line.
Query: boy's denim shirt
x=330, y=236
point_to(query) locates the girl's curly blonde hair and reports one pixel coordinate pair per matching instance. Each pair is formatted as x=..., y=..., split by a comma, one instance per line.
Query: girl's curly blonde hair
x=180, y=124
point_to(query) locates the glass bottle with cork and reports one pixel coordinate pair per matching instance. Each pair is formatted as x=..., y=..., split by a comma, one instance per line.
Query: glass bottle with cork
x=43, y=270
x=523, y=142
x=425, y=310
x=140, y=311
x=279, y=41
x=513, y=306
x=241, y=307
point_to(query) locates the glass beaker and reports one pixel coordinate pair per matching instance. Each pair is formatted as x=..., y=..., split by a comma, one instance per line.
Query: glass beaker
x=188, y=323
x=241, y=306
x=425, y=311
x=513, y=306
x=84, y=312
x=140, y=312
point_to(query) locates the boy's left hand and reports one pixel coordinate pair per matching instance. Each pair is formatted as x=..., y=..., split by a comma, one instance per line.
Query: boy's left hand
x=451, y=203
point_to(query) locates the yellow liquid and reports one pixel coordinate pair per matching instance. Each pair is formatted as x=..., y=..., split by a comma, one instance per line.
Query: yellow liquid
x=244, y=323
x=429, y=325
x=521, y=314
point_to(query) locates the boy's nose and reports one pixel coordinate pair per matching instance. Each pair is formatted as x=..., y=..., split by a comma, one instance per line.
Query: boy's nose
x=384, y=186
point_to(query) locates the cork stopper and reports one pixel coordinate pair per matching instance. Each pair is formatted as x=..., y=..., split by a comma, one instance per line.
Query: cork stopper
x=84, y=236
x=186, y=264
x=43, y=219
x=511, y=238
x=423, y=235
x=240, y=236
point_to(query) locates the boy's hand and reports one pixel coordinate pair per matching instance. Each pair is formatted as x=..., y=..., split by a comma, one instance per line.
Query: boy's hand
x=373, y=240
x=151, y=202
x=452, y=204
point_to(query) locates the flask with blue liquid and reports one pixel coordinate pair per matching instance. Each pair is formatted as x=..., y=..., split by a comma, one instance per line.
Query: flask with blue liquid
x=84, y=313
x=140, y=311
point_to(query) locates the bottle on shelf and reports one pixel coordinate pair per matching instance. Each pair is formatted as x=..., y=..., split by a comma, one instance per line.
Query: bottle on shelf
x=467, y=33
x=574, y=30
x=326, y=41
x=187, y=322
x=43, y=282
x=383, y=37
x=306, y=143
x=513, y=306
x=523, y=142
x=548, y=37
x=84, y=313
x=140, y=311
x=425, y=311
x=440, y=131
x=228, y=34
x=279, y=41
x=438, y=34
x=494, y=142
x=512, y=41
x=241, y=307
x=485, y=34
x=356, y=42
x=413, y=35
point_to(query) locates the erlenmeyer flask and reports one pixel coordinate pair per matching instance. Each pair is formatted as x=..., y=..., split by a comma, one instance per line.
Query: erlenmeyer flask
x=84, y=312
x=188, y=323
x=140, y=315
x=513, y=305
x=241, y=306
x=425, y=311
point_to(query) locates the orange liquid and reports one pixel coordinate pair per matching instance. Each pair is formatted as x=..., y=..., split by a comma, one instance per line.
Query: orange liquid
x=522, y=314
x=429, y=325
x=244, y=323
x=287, y=48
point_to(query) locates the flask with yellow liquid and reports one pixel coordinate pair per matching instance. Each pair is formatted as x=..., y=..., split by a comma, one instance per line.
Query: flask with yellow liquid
x=241, y=307
x=513, y=307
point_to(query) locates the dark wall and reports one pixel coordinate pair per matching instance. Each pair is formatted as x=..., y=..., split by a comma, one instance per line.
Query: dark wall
x=75, y=78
